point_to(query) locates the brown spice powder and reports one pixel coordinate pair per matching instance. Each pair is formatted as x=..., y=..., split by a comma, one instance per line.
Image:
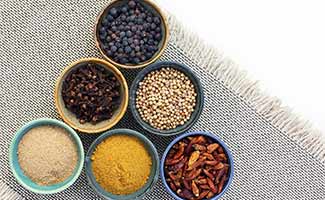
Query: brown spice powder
x=47, y=155
x=121, y=164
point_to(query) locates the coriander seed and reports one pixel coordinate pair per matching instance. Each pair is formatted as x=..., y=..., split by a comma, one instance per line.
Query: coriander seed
x=166, y=98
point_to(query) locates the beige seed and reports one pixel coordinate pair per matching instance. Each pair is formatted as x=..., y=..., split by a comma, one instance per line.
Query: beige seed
x=166, y=97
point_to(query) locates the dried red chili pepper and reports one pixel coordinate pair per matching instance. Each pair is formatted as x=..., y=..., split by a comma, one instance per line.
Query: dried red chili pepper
x=197, y=168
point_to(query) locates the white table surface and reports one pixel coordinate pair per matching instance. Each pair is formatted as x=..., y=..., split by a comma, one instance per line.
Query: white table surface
x=281, y=43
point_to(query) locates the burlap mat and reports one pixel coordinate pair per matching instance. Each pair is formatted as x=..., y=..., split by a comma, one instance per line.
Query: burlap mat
x=276, y=155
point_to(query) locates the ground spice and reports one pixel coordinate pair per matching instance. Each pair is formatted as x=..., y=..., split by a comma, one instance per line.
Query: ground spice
x=121, y=164
x=47, y=155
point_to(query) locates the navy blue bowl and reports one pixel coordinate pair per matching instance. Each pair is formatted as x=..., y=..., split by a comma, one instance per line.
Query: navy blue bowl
x=154, y=173
x=216, y=139
x=199, y=98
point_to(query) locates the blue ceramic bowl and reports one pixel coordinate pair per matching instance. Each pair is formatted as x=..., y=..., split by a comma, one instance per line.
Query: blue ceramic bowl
x=154, y=174
x=27, y=182
x=199, y=98
x=215, y=138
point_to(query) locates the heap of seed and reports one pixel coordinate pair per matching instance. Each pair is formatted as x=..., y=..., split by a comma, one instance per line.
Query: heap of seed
x=166, y=98
x=129, y=33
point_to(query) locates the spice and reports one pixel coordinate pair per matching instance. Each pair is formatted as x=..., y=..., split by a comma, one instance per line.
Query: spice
x=130, y=33
x=91, y=92
x=121, y=164
x=196, y=168
x=47, y=155
x=166, y=98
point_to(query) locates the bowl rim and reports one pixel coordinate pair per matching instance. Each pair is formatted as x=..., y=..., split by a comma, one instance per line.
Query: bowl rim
x=116, y=72
x=39, y=122
x=158, y=53
x=208, y=134
x=91, y=178
x=198, y=107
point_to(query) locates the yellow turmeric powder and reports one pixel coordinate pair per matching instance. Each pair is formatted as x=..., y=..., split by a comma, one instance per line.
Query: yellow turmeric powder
x=121, y=164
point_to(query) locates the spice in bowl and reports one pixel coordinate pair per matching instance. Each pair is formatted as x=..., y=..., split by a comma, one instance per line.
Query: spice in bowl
x=47, y=155
x=91, y=92
x=197, y=167
x=121, y=164
x=129, y=32
x=166, y=98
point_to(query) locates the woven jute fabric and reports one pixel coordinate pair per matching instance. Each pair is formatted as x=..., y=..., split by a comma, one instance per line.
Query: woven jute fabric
x=39, y=38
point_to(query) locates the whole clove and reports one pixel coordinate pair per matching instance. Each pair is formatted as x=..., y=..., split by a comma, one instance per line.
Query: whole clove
x=91, y=92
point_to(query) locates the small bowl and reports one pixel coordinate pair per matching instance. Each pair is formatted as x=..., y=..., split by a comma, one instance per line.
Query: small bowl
x=71, y=119
x=213, y=137
x=154, y=174
x=25, y=181
x=165, y=33
x=199, y=98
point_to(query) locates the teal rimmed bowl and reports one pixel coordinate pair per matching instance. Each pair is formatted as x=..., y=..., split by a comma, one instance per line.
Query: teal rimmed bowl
x=25, y=181
x=154, y=173
x=199, y=98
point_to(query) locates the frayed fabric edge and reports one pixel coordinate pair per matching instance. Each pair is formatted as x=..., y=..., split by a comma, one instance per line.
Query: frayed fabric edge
x=7, y=193
x=227, y=71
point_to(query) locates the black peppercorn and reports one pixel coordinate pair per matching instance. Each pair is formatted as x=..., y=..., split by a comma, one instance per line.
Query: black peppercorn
x=132, y=4
x=130, y=33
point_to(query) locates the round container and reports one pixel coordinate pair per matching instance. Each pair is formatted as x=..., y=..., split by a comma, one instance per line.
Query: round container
x=71, y=119
x=154, y=174
x=216, y=139
x=199, y=98
x=165, y=33
x=25, y=181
